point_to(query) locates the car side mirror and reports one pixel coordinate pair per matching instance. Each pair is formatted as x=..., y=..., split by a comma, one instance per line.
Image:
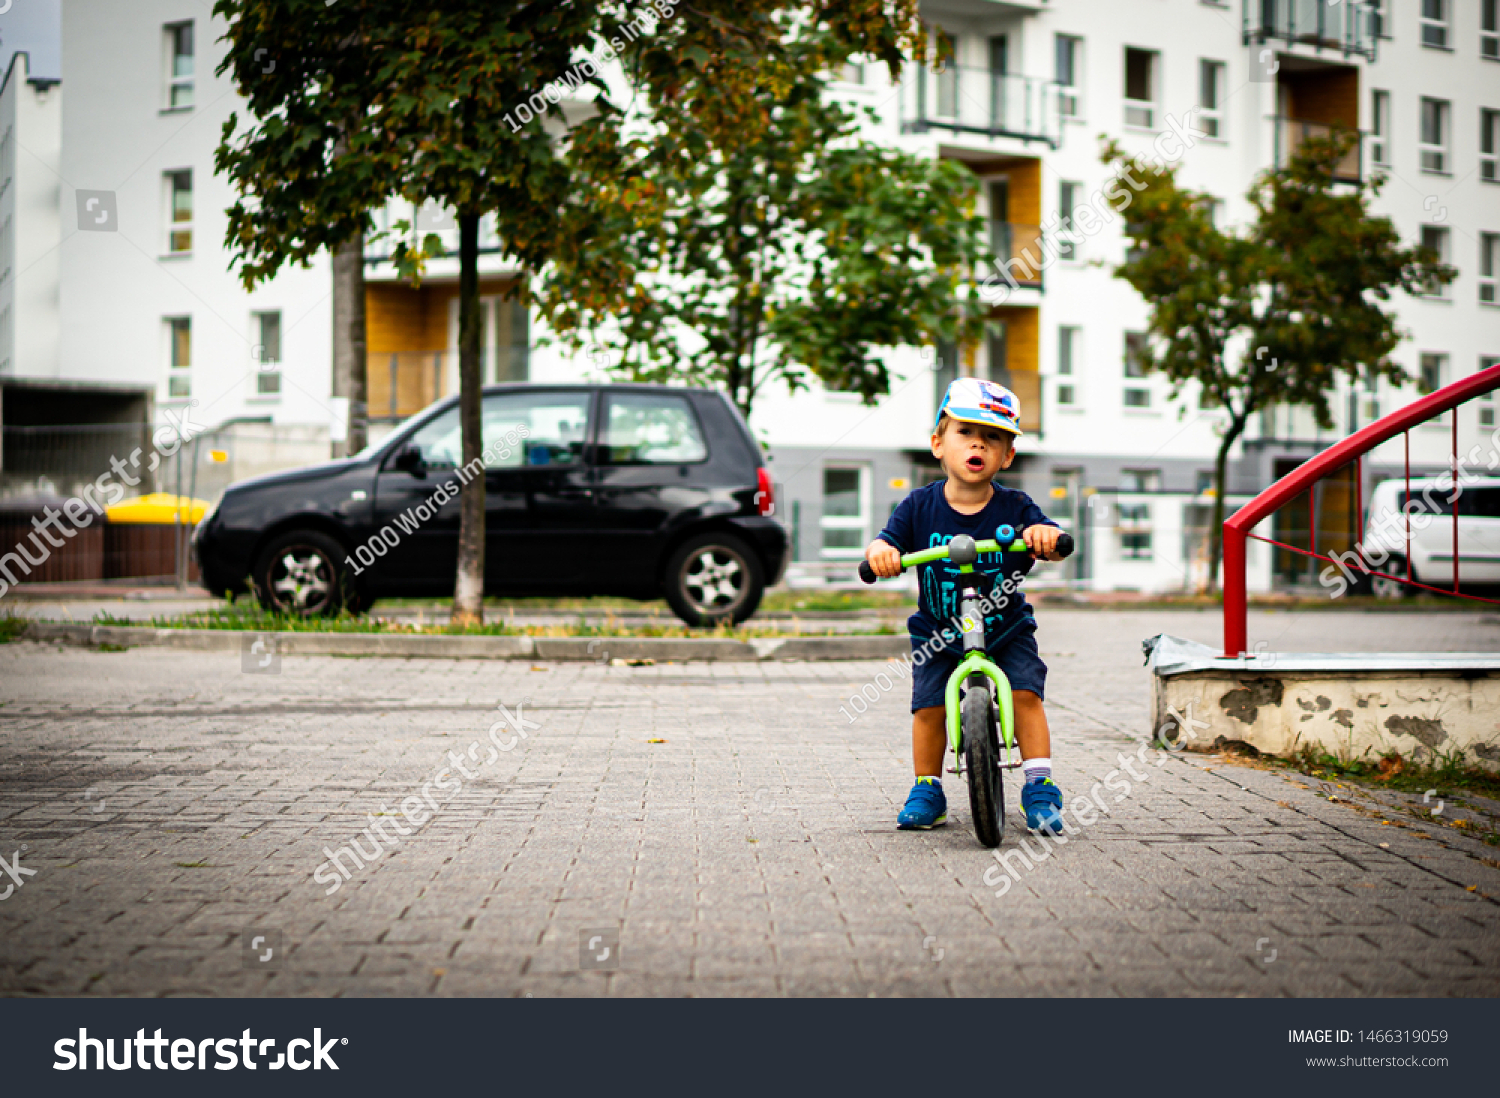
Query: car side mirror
x=409, y=458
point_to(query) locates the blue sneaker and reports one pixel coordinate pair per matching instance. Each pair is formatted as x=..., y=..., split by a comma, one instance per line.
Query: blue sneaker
x=1042, y=801
x=926, y=807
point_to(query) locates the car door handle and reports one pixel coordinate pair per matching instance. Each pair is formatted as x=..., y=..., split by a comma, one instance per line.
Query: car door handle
x=575, y=493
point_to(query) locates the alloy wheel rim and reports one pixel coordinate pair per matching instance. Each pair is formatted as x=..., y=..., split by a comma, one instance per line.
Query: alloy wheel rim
x=301, y=580
x=714, y=580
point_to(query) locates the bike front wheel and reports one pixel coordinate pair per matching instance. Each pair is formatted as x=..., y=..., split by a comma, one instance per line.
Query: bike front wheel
x=982, y=760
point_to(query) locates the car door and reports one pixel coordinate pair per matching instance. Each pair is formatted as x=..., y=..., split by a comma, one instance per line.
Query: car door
x=415, y=510
x=650, y=445
x=539, y=492
x=1479, y=534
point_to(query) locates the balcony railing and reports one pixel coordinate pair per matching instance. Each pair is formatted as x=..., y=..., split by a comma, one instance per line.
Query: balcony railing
x=401, y=384
x=972, y=100
x=1290, y=133
x=1347, y=27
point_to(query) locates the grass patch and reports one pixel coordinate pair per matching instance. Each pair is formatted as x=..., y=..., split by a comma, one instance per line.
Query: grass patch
x=256, y=620
x=819, y=601
x=12, y=626
x=1449, y=773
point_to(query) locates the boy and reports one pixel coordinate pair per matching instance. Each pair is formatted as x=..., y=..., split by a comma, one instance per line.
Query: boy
x=974, y=439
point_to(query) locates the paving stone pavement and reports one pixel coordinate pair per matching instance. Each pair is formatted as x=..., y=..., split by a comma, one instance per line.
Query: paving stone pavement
x=720, y=829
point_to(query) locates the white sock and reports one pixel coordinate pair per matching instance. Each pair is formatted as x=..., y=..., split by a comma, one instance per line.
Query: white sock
x=1036, y=769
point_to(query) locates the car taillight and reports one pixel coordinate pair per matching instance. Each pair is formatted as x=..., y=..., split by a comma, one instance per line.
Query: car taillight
x=765, y=493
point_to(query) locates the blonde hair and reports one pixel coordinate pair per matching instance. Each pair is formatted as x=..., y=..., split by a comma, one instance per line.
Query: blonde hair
x=945, y=419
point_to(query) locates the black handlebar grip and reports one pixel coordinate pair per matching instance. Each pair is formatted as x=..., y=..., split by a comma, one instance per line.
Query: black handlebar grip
x=1065, y=545
x=867, y=573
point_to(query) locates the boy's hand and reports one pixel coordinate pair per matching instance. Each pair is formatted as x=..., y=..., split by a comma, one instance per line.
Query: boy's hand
x=1042, y=541
x=885, y=559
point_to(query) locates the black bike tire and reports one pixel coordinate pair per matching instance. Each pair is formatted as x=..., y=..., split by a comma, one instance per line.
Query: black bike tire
x=982, y=760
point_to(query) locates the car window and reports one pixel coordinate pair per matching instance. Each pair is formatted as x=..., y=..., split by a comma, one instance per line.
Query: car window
x=543, y=428
x=1484, y=502
x=516, y=430
x=650, y=429
x=439, y=440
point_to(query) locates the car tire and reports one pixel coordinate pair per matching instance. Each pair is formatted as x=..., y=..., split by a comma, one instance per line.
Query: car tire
x=302, y=572
x=714, y=578
x=1389, y=589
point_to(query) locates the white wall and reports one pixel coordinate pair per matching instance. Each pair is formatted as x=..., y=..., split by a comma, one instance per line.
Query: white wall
x=30, y=204
x=118, y=287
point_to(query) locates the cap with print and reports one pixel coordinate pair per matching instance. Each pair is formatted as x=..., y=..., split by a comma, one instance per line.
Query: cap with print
x=975, y=400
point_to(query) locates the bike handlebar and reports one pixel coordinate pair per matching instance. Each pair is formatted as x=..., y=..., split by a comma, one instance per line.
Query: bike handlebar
x=1065, y=546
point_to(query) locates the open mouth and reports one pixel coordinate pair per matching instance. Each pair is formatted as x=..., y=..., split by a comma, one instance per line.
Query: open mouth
x=975, y=463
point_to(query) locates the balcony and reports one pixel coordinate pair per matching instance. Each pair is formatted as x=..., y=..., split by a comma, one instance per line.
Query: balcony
x=963, y=99
x=1290, y=133
x=1347, y=27
x=1019, y=258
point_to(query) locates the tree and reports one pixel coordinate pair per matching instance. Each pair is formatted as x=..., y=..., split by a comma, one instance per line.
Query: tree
x=1298, y=293
x=767, y=253
x=359, y=100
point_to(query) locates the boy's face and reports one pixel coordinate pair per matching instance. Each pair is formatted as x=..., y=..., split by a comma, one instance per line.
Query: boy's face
x=973, y=453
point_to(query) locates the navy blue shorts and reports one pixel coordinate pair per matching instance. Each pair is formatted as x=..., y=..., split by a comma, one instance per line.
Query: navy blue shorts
x=1018, y=658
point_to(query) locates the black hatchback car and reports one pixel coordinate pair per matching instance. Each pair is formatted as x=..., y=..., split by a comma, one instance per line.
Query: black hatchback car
x=641, y=491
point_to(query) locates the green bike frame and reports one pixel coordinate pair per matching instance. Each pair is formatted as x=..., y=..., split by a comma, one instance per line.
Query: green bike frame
x=975, y=660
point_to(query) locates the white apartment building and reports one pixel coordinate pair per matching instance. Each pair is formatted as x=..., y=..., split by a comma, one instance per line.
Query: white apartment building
x=140, y=315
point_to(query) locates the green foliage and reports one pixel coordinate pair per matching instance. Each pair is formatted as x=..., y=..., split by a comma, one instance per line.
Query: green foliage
x=1274, y=315
x=787, y=249
x=12, y=625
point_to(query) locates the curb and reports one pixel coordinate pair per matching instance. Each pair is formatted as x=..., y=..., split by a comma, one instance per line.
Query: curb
x=596, y=650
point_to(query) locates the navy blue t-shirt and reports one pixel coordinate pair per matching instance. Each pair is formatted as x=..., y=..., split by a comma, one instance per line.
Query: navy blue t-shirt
x=925, y=520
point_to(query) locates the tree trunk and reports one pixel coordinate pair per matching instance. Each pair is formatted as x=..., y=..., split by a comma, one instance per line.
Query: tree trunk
x=349, y=347
x=1216, y=527
x=468, y=589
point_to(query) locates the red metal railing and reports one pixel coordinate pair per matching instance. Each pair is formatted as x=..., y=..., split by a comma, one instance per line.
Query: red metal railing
x=1332, y=460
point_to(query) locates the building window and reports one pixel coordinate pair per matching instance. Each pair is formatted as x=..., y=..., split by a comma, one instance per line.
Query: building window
x=1140, y=480
x=1067, y=357
x=998, y=356
x=1380, y=128
x=947, y=76
x=179, y=193
x=266, y=350
x=179, y=356
x=846, y=511
x=1380, y=26
x=1136, y=357
x=1135, y=531
x=1433, y=375
x=1069, y=69
x=1489, y=146
x=1211, y=98
x=1489, y=29
x=179, y=55
x=1435, y=24
x=1436, y=238
x=1067, y=201
x=1486, y=403
x=1489, y=267
x=1215, y=210
x=852, y=72
x=1140, y=87
x=1435, y=135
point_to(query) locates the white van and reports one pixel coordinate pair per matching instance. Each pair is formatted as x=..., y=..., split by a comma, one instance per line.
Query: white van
x=1431, y=508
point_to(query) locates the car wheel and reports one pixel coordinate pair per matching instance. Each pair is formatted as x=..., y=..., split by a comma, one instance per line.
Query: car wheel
x=1384, y=588
x=714, y=578
x=302, y=573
